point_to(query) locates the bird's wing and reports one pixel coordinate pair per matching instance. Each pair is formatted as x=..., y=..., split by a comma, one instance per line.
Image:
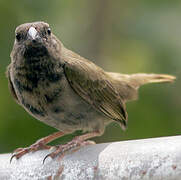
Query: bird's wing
x=10, y=84
x=95, y=87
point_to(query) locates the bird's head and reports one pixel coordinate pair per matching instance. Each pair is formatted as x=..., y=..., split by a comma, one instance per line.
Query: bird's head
x=35, y=39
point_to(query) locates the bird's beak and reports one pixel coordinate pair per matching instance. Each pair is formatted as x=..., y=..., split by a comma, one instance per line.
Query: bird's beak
x=33, y=33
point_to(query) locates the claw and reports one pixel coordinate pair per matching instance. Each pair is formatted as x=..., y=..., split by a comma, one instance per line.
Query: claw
x=12, y=158
x=53, y=154
x=19, y=152
x=48, y=155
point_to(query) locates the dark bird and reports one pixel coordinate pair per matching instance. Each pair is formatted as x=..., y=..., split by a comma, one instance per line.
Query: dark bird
x=67, y=91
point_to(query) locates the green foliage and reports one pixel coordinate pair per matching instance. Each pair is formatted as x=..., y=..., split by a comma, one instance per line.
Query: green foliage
x=121, y=36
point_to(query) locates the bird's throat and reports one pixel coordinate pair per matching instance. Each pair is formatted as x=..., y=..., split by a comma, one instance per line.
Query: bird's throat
x=35, y=52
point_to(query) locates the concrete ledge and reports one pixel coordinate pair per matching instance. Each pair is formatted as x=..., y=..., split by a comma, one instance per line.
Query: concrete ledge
x=155, y=159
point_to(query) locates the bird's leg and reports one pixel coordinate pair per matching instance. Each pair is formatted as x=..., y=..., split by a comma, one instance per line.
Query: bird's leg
x=73, y=145
x=40, y=144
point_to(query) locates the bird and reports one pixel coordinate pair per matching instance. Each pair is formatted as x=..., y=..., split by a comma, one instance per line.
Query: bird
x=67, y=91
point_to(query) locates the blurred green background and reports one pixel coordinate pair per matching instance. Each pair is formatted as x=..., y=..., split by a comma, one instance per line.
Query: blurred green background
x=122, y=36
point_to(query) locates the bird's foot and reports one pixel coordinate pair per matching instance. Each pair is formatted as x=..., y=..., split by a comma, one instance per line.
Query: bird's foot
x=18, y=153
x=40, y=144
x=70, y=147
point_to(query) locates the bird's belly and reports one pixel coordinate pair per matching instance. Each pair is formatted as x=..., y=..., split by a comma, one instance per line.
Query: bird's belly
x=60, y=107
x=70, y=112
x=71, y=115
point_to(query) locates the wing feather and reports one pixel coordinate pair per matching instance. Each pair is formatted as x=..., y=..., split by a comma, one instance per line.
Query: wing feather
x=95, y=87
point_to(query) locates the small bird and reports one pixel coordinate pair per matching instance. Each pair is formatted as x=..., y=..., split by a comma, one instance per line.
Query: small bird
x=67, y=91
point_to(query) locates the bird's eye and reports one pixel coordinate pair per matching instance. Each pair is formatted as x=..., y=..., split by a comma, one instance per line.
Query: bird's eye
x=49, y=31
x=18, y=36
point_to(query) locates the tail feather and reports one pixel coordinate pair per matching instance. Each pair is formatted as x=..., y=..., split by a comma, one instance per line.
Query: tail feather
x=136, y=80
x=140, y=79
x=128, y=89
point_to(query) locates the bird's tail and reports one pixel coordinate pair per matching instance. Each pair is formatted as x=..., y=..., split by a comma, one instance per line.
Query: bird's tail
x=134, y=81
x=137, y=80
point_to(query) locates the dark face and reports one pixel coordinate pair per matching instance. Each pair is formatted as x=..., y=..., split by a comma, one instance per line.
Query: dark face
x=33, y=40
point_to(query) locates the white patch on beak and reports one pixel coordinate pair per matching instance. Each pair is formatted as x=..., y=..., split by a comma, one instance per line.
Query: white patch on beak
x=32, y=32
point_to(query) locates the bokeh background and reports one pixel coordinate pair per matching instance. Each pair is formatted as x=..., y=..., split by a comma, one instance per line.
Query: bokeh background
x=122, y=36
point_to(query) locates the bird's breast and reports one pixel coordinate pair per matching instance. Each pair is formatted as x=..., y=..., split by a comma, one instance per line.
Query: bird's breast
x=48, y=96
